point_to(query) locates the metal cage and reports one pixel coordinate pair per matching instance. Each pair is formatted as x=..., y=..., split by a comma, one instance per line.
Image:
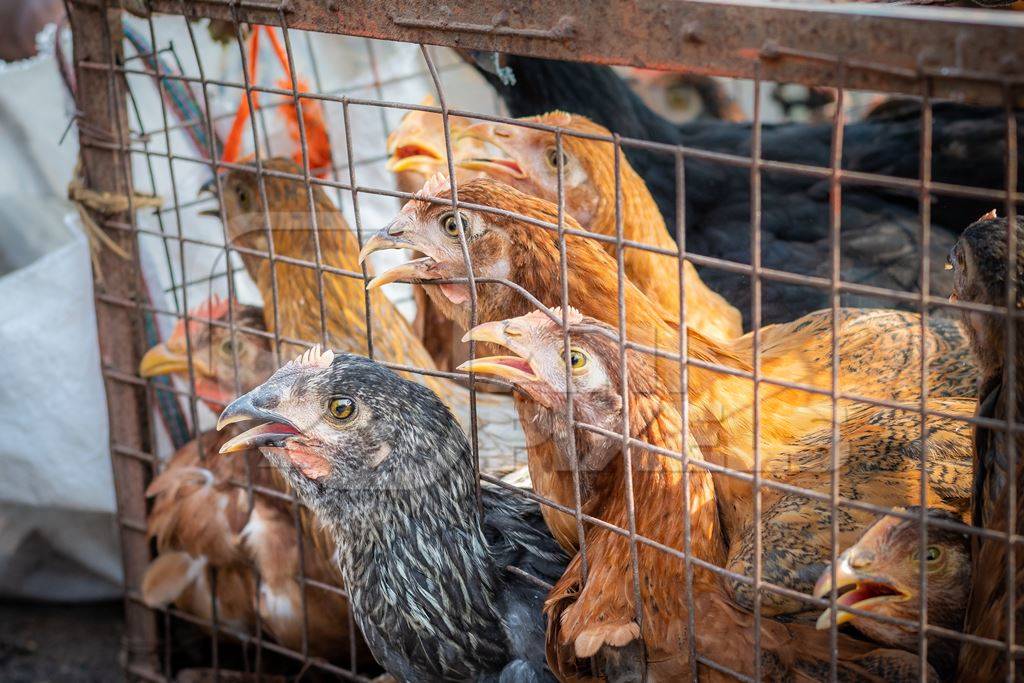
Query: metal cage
x=972, y=56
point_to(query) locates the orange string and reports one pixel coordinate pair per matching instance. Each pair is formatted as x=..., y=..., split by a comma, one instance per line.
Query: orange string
x=318, y=141
x=282, y=55
x=233, y=144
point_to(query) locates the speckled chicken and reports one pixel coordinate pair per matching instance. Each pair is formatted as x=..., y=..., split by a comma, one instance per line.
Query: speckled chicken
x=795, y=424
x=593, y=612
x=299, y=288
x=390, y=474
x=881, y=573
x=530, y=163
x=203, y=519
x=980, y=264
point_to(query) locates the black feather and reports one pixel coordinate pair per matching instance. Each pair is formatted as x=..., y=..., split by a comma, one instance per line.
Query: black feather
x=880, y=242
x=427, y=573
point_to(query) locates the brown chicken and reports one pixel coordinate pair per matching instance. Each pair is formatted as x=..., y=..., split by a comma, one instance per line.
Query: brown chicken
x=596, y=615
x=588, y=166
x=417, y=151
x=881, y=574
x=214, y=351
x=721, y=416
x=299, y=288
x=981, y=275
x=203, y=517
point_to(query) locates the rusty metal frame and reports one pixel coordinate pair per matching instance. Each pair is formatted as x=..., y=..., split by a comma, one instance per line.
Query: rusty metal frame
x=974, y=56
x=883, y=48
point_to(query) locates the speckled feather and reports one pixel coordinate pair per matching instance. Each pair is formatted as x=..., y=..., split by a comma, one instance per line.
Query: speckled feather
x=426, y=572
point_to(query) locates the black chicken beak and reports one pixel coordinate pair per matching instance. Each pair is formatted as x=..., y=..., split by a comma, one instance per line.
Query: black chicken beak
x=253, y=406
x=210, y=188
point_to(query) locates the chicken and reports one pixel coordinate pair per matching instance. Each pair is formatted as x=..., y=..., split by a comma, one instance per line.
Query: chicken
x=880, y=228
x=981, y=274
x=203, y=518
x=528, y=256
x=417, y=149
x=214, y=351
x=598, y=615
x=530, y=164
x=391, y=475
x=297, y=317
x=881, y=574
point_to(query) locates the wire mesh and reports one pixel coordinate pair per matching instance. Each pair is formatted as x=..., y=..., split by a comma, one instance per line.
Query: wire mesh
x=157, y=156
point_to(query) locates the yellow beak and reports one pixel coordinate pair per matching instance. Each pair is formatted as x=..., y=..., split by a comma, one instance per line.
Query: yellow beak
x=410, y=270
x=160, y=360
x=844, y=577
x=379, y=241
x=516, y=369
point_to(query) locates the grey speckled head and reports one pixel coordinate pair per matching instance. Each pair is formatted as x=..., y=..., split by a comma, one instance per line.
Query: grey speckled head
x=345, y=424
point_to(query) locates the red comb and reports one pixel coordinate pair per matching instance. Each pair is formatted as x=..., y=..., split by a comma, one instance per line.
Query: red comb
x=214, y=308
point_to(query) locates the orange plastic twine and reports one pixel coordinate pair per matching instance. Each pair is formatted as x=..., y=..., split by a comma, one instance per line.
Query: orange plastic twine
x=318, y=143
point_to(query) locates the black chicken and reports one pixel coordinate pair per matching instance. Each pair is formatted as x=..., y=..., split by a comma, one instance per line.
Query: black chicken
x=979, y=264
x=880, y=227
x=388, y=471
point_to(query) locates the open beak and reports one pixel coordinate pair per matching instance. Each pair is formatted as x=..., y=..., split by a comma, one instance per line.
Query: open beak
x=416, y=269
x=504, y=165
x=511, y=335
x=161, y=360
x=389, y=237
x=210, y=188
x=854, y=590
x=275, y=430
x=414, y=155
x=393, y=237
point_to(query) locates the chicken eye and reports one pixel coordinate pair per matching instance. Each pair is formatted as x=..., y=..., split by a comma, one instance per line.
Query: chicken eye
x=228, y=348
x=552, y=157
x=933, y=553
x=577, y=359
x=451, y=226
x=243, y=197
x=341, y=407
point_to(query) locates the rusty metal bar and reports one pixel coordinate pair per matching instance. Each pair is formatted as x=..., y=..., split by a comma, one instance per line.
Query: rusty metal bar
x=973, y=50
x=103, y=114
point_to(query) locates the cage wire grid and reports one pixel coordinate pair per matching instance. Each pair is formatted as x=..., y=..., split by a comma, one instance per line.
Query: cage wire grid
x=122, y=305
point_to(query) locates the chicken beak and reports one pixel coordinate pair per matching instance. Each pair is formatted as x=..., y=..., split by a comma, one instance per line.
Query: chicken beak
x=493, y=166
x=509, y=334
x=488, y=133
x=416, y=269
x=272, y=433
x=210, y=188
x=845, y=576
x=413, y=154
x=866, y=591
x=160, y=360
x=391, y=236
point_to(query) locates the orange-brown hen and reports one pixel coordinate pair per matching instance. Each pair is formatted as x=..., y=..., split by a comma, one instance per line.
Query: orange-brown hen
x=296, y=313
x=721, y=415
x=588, y=171
x=595, y=612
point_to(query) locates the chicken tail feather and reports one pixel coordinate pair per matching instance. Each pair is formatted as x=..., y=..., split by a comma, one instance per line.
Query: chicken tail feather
x=168, y=576
x=617, y=635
